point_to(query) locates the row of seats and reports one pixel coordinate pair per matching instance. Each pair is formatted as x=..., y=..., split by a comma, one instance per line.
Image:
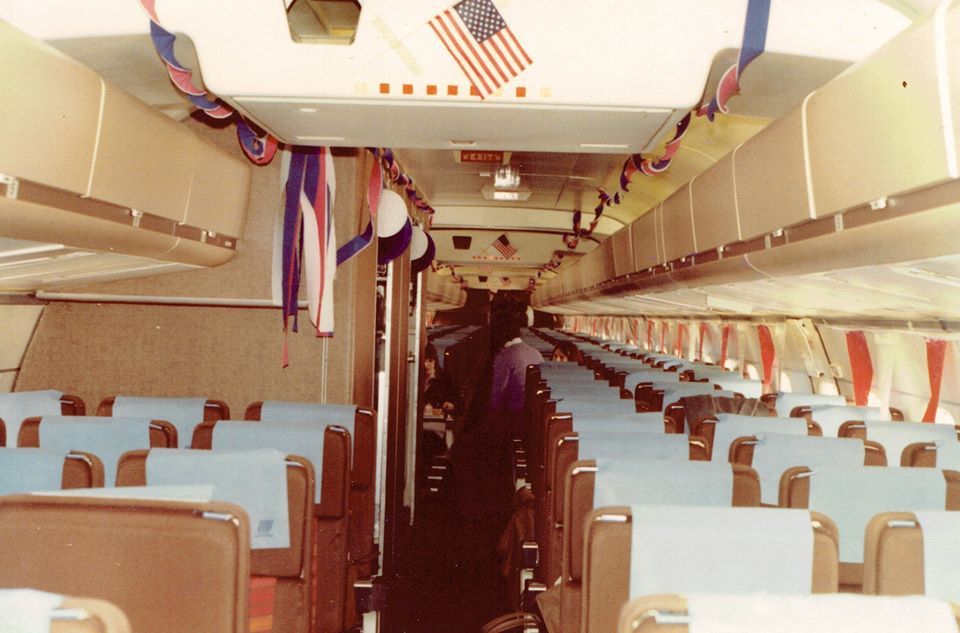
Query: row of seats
x=331, y=536
x=612, y=549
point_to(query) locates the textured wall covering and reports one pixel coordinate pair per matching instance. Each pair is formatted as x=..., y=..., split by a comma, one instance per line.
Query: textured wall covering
x=95, y=350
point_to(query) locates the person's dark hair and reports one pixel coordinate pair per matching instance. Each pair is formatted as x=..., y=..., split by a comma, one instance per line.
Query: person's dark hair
x=429, y=351
x=568, y=349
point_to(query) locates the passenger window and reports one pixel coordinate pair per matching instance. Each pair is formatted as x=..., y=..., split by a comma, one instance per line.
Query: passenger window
x=944, y=417
x=752, y=372
x=785, y=384
x=828, y=387
x=873, y=400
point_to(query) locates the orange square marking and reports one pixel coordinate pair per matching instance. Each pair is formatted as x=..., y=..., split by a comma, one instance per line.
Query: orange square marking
x=521, y=91
x=474, y=92
x=431, y=90
x=452, y=91
x=408, y=89
x=384, y=89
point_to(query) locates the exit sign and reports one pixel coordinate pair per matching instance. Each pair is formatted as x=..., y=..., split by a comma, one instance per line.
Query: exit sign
x=473, y=156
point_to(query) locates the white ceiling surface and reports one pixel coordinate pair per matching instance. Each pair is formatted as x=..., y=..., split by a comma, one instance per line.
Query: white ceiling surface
x=623, y=76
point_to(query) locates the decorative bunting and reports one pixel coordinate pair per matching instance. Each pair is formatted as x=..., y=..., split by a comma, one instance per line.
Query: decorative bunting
x=935, y=355
x=396, y=175
x=362, y=241
x=308, y=239
x=259, y=148
x=753, y=44
x=725, y=339
x=861, y=366
x=768, y=355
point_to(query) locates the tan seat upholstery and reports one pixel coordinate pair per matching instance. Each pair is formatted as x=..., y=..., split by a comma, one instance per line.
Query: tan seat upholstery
x=579, y=515
x=289, y=565
x=795, y=493
x=606, y=564
x=168, y=565
x=668, y=613
x=162, y=434
x=212, y=409
x=563, y=451
x=363, y=551
x=327, y=560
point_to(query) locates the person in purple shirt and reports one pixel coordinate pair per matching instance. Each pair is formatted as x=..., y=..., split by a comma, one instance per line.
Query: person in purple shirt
x=506, y=408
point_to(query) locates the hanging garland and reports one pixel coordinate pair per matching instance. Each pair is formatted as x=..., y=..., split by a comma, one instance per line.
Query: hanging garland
x=754, y=41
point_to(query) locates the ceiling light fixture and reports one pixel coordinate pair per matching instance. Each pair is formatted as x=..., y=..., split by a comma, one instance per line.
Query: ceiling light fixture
x=506, y=178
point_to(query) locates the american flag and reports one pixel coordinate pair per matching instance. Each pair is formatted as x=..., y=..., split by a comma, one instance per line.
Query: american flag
x=479, y=40
x=503, y=245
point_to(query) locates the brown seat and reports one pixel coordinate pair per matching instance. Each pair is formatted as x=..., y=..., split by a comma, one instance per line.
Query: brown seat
x=563, y=451
x=706, y=429
x=912, y=432
x=78, y=470
x=88, y=615
x=578, y=509
x=291, y=565
x=168, y=565
x=65, y=405
x=669, y=613
x=607, y=554
x=364, y=555
x=330, y=591
x=795, y=493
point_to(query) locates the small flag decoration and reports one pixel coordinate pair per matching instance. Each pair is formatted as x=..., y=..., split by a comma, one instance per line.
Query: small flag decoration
x=504, y=247
x=478, y=38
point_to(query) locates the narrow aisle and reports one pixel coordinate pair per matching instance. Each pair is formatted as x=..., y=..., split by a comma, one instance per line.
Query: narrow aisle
x=450, y=571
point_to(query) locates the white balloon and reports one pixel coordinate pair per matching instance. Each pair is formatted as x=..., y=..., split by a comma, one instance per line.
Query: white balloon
x=391, y=215
x=418, y=243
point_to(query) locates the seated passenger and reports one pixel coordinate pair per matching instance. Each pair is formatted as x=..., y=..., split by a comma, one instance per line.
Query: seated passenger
x=566, y=352
x=439, y=392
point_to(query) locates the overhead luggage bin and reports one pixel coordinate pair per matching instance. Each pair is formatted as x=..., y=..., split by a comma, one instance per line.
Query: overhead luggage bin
x=85, y=165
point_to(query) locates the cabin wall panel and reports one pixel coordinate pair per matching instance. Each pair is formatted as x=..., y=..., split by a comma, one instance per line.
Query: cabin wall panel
x=677, y=222
x=714, y=201
x=860, y=153
x=63, y=99
x=771, y=178
x=643, y=233
x=18, y=322
x=224, y=352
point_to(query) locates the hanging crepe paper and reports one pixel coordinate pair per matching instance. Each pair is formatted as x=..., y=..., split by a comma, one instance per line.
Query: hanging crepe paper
x=260, y=149
x=753, y=44
x=723, y=345
x=703, y=335
x=362, y=241
x=650, y=336
x=861, y=366
x=308, y=239
x=935, y=354
x=768, y=355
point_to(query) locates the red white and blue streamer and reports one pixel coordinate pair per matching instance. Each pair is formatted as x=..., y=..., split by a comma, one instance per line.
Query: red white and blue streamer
x=754, y=42
x=259, y=148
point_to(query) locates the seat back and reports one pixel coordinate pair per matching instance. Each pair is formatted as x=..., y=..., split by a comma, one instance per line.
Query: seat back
x=831, y=417
x=183, y=413
x=569, y=447
x=25, y=470
x=26, y=610
x=945, y=455
x=328, y=450
x=758, y=613
x=896, y=436
x=785, y=402
x=17, y=406
x=580, y=502
x=910, y=553
x=853, y=496
x=361, y=423
x=168, y=565
x=289, y=565
x=107, y=438
x=721, y=430
x=609, y=549
x=770, y=454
